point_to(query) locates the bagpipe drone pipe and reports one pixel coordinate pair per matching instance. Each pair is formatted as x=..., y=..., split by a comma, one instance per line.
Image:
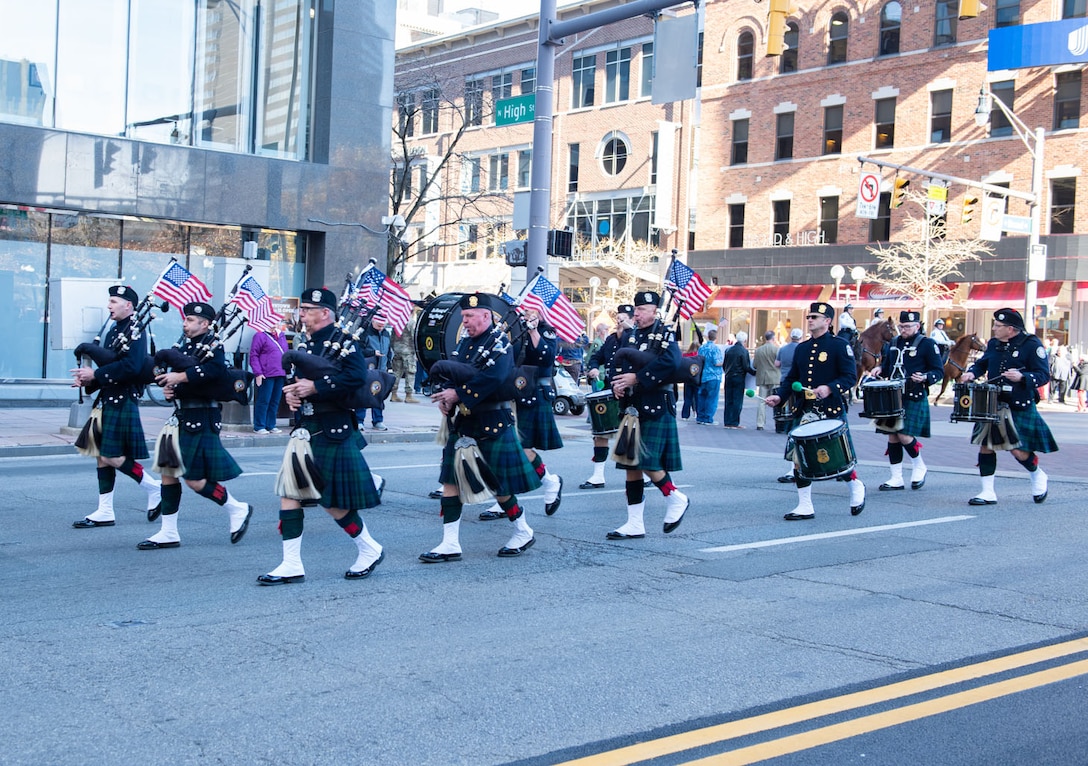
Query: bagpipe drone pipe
x=122, y=342
x=235, y=387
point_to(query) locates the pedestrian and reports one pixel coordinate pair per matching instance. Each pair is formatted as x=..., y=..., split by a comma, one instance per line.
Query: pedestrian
x=1061, y=372
x=710, y=388
x=736, y=366
x=1080, y=383
x=377, y=343
x=768, y=375
x=691, y=391
x=266, y=361
x=404, y=361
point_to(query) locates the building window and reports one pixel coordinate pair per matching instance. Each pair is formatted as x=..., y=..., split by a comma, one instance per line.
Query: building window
x=783, y=136
x=746, y=47
x=787, y=62
x=646, y=82
x=614, y=224
x=736, y=226
x=940, y=120
x=1007, y=13
x=699, y=63
x=474, y=102
x=833, y=129
x=653, y=159
x=1063, y=205
x=617, y=75
x=525, y=163
x=944, y=31
x=885, y=123
x=999, y=123
x=1067, y=100
x=471, y=179
x=498, y=176
x=585, y=67
x=829, y=220
x=429, y=110
x=780, y=226
x=406, y=115
x=502, y=86
x=880, y=228
x=614, y=155
x=837, y=34
x=1073, y=9
x=470, y=242
x=572, y=168
x=740, y=143
x=891, y=17
x=528, y=80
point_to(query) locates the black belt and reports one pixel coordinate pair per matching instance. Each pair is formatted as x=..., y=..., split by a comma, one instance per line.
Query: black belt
x=489, y=407
x=196, y=404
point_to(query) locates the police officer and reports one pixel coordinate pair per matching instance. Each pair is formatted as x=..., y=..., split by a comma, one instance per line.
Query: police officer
x=650, y=391
x=324, y=408
x=479, y=410
x=602, y=358
x=1016, y=361
x=206, y=463
x=826, y=368
x=122, y=442
x=913, y=358
x=940, y=337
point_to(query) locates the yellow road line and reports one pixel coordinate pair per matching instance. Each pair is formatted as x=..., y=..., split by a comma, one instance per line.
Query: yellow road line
x=721, y=732
x=827, y=734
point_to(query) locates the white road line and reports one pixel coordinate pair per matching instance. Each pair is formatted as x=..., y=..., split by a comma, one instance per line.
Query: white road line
x=827, y=535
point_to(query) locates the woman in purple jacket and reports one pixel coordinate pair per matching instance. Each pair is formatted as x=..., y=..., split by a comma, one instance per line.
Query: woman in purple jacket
x=265, y=357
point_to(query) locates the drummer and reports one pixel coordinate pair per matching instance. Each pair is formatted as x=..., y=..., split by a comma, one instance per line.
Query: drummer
x=1016, y=361
x=916, y=359
x=602, y=358
x=825, y=367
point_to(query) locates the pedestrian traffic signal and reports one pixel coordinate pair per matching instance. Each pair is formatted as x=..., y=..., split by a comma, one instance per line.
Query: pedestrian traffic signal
x=969, y=9
x=899, y=191
x=776, y=27
x=969, y=203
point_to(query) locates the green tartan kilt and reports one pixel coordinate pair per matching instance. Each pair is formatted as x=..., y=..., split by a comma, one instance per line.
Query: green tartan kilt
x=1033, y=431
x=122, y=431
x=348, y=482
x=202, y=452
x=915, y=420
x=503, y=455
x=536, y=426
x=660, y=446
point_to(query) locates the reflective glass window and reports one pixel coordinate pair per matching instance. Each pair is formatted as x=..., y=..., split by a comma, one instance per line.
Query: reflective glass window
x=160, y=80
x=27, y=62
x=23, y=237
x=223, y=82
x=91, y=41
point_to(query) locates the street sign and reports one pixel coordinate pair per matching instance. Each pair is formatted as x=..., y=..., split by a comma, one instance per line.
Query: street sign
x=1037, y=263
x=936, y=206
x=511, y=111
x=1016, y=224
x=937, y=191
x=993, y=210
x=868, y=196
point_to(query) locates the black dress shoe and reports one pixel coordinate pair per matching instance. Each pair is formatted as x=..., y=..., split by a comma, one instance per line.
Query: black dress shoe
x=241, y=531
x=492, y=515
x=856, y=509
x=151, y=545
x=553, y=506
x=435, y=494
x=509, y=552
x=614, y=535
x=267, y=579
x=351, y=574
x=590, y=485
x=672, y=525
x=91, y=523
x=886, y=487
x=981, y=501
x=917, y=484
x=154, y=513
x=381, y=489
x=1040, y=498
x=434, y=558
x=791, y=516
x=789, y=478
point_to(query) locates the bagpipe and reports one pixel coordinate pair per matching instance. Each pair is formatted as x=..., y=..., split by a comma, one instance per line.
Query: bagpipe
x=123, y=341
x=227, y=323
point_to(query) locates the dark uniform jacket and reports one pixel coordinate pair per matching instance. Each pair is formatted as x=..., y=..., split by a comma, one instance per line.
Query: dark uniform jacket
x=654, y=394
x=1024, y=352
x=919, y=354
x=602, y=357
x=122, y=377
x=540, y=386
x=484, y=412
x=824, y=361
x=207, y=380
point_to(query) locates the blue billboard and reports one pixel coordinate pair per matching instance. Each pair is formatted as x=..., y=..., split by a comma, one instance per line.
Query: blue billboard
x=1047, y=44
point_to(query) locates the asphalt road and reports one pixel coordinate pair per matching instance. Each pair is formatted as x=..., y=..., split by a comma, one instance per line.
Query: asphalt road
x=582, y=645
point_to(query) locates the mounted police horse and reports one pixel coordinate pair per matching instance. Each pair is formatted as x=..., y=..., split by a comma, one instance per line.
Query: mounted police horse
x=958, y=359
x=869, y=343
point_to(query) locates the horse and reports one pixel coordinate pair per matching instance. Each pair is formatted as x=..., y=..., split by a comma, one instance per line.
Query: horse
x=869, y=344
x=957, y=360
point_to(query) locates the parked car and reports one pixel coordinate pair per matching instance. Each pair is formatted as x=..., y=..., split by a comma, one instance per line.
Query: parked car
x=570, y=399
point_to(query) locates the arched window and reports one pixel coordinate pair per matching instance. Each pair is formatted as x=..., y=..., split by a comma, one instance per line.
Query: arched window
x=787, y=62
x=837, y=34
x=614, y=155
x=891, y=16
x=746, y=44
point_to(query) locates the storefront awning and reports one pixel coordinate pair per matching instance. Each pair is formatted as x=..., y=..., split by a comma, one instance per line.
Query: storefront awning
x=1082, y=291
x=996, y=295
x=766, y=296
x=876, y=296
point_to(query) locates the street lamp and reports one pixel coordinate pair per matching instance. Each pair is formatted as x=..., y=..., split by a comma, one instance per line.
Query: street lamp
x=594, y=283
x=1034, y=141
x=837, y=273
x=857, y=274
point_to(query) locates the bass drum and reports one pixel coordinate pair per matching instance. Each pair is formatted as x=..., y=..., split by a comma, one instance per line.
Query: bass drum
x=439, y=326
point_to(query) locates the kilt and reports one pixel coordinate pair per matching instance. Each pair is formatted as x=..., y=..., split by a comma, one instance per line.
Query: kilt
x=349, y=484
x=660, y=446
x=1032, y=430
x=122, y=431
x=915, y=420
x=503, y=456
x=536, y=426
x=202, y=453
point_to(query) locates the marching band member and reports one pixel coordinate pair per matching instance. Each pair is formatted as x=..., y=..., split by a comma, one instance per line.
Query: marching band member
x=915, y=358
x=206, y=462
x=323, y=408
x=122, y=440
x=825, y=367
x=602, y=357
x=1016, y=361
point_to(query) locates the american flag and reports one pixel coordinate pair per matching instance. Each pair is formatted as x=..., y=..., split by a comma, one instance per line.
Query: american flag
x=688, y=288
x=179, y=287
x=394, y=301
x=556, y=309
x=257, y=305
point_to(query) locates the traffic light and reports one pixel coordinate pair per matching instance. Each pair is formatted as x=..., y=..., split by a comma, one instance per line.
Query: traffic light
x=899, y=191
x=969, y=203
x=969, y=9
x=776, y=27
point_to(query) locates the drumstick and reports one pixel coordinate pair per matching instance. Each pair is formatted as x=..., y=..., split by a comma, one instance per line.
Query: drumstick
x=999, y=377
x=799, y=388
x=752, y=395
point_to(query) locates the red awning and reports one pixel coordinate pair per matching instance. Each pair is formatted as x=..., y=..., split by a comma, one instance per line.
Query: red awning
x=1082, y=291
x=996, y=295
x=876, y=296
x=766, y=296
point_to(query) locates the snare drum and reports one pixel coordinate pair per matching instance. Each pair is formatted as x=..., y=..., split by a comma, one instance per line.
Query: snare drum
x=974, y=403
x=604, y=412
x=785, y=412
x=882, y=399
x=822, y=449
